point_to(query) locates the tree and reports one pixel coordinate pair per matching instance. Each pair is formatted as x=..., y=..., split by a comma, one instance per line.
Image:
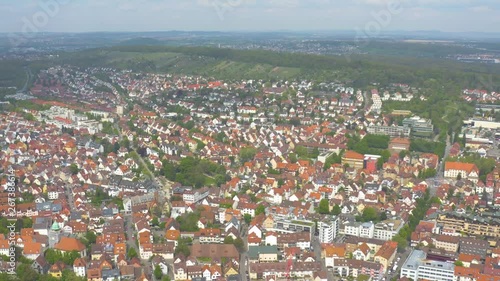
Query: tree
x=165, y=278
x=260, y=210
x=459, y=263
x=73, y=168
x=183, y=247
x=369, y=214
x=247, y=218
x=24, y=272
x=247, y=154
x=157, y=272
x=155, y=221
x=239, y=244
x=324, y=206
x=336, y=210
x=132, y=253
x=403, y=154
x=91, y=237
x=229, y=240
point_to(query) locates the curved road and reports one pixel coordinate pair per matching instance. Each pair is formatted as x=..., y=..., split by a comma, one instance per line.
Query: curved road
x=29, y=76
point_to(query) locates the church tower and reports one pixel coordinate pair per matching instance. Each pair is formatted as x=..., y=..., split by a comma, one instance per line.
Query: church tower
x=54, y=234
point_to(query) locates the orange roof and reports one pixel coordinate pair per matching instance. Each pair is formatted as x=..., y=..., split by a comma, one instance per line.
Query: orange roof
x=353, y=155
x=331, y=251
x=172, y=234
x=68, y=244
x=401, y=141
x=31, y=248
x=387, y=250
x=468, y=167
x=468, y=258
x=466, y=271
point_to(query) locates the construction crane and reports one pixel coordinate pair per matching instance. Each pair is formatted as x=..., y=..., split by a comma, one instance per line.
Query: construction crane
x=289, y=267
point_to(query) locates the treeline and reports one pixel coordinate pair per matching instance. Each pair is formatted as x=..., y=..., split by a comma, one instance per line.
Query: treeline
x=418, y=214
x=420, y=145
x=371, y=144
x=361, y=69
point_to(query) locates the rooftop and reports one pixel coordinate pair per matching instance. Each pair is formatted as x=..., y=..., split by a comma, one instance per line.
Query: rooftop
x=418, y=258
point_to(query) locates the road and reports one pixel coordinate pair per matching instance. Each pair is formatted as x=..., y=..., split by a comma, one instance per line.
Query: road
x=29, y=75
x=244, y=267
x=436, y=181
x=402, y=258
x=69, y=195
x=160, y=181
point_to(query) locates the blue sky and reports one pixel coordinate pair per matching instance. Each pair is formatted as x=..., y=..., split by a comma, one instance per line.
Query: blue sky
x=255, y=15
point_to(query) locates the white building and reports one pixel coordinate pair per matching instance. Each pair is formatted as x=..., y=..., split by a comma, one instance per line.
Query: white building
x=328, y=229
x=418, y=267
x=365, y=230
x=387, y=230
x=194, y=196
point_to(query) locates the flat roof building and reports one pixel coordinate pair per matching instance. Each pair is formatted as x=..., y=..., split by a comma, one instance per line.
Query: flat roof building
x=418, y=267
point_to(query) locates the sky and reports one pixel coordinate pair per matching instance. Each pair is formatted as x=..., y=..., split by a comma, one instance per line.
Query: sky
x=369, y=17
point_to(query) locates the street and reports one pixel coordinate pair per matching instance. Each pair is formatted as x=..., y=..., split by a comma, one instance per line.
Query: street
x=244, y=255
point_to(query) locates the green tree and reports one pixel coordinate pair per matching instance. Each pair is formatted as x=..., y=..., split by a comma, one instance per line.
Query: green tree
x=157, y=272
x=247, y=154
x=155, y=221
x=301, y=151
x=132, y=253
x=73, y=168
x=336, y=210
x=229, y=240
x=369, y=214
x=239, y=244
x=24, y=272
x=459, y=263
x=324, y=206
x=183, y=247
x=260, y=210
x=247, y=218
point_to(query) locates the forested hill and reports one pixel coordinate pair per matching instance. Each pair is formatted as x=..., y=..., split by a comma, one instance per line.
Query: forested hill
x=259, y=64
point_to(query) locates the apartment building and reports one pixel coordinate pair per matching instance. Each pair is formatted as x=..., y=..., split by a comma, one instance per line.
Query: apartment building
x=328, y=229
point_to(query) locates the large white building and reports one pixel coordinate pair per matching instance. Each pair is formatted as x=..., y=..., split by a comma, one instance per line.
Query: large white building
x=365, y=230
x=466, y=171
x=195, y=196
x=328, y=229
x=386, y=230
x=418, y=267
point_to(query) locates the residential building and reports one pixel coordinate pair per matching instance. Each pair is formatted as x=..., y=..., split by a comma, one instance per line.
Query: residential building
x=353, y=159
x=385, y=256
x=386, y=230
x=328, y=229
x=263, y=254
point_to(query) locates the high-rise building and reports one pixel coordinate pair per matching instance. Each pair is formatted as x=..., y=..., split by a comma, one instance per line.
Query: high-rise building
x=328, y=229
